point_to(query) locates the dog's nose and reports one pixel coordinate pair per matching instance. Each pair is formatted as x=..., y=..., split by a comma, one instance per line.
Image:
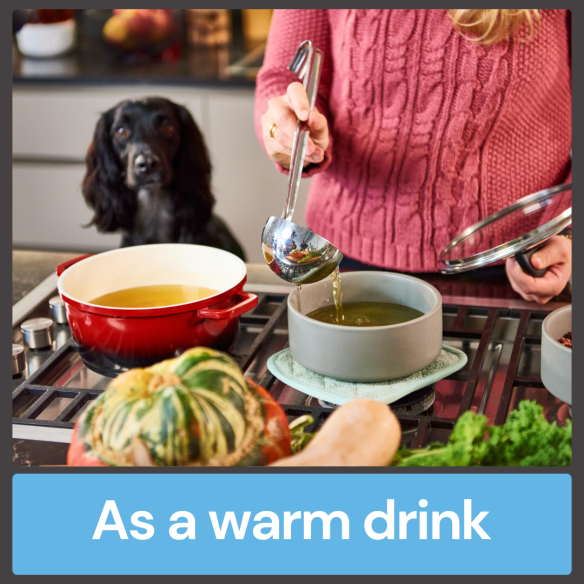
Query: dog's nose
x=146, y=163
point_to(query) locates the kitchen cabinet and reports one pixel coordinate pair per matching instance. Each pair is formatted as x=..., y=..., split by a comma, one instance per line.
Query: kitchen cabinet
x=55, y=123
x=52, y=128
x=48, y=210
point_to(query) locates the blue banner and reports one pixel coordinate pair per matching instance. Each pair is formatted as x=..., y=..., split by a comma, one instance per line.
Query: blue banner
x=292, y=524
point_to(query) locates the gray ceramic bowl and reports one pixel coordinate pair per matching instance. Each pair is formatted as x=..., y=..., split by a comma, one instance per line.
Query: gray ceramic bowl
x=370, y=353
x=556, y=360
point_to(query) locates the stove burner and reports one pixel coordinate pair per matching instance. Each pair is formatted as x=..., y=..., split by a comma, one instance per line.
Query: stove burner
x=438, y=406
x=322, y=403
x=413, y=404
x=559, y=413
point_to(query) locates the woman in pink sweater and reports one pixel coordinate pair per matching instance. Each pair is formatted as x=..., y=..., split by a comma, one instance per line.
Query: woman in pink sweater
x=426, y=121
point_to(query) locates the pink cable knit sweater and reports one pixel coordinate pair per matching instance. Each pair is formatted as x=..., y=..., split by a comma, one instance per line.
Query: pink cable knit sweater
x=430, y=132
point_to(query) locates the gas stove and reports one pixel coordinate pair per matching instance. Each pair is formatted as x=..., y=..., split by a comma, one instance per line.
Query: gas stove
x=502, y=339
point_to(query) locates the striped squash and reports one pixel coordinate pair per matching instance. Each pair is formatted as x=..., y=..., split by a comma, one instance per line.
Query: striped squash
x=195, y=410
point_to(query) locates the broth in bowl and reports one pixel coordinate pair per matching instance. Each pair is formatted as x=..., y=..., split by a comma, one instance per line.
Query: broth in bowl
x=376, y=351
x=364, y=314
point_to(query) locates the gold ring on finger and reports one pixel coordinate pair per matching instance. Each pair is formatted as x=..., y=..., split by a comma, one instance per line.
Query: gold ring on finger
x=272, y=130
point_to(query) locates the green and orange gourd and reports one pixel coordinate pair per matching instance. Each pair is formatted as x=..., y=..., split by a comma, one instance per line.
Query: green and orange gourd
x=195, y=410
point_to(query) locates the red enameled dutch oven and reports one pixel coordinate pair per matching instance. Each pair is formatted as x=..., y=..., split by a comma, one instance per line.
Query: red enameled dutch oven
x=112, y=339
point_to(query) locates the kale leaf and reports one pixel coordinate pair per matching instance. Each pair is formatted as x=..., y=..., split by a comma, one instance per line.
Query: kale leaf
x=526, y=439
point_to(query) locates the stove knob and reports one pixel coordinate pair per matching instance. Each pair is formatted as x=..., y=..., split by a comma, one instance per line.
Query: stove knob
x=37, y=333
x=18, y=362
x=58, y=311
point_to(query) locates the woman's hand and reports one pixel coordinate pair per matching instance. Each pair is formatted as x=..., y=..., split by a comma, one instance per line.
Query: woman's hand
x=556, y=256
x=283, y=111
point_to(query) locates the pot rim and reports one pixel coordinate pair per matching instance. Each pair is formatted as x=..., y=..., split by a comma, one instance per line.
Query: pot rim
x=112, y=311
x=362, y=330
x=546, y=323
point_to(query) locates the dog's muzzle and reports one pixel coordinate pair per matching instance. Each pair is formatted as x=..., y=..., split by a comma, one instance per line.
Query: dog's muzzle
x=146, y=164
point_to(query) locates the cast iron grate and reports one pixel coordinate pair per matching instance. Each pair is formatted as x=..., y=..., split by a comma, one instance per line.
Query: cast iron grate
x=31, y=398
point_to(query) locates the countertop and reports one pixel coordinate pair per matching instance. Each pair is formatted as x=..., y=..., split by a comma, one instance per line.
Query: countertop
x=30, y=268
x=93, y=62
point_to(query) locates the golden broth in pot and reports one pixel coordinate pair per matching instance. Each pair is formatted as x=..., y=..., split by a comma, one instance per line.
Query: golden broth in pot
x=153, y=296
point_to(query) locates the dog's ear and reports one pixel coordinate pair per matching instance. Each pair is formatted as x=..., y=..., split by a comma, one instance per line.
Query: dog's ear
x=104, y=188
x=192, y=172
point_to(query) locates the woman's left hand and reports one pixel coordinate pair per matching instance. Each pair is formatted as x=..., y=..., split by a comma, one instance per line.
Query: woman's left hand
x=556, y=256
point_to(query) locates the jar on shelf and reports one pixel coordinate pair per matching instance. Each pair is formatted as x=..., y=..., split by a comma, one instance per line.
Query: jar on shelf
x=256, y=24
x=208, y=27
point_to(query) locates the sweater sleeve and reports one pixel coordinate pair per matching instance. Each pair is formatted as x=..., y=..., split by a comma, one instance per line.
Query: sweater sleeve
x=288, y=29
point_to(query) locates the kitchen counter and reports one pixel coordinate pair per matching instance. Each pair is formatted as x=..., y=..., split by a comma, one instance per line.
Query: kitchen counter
x=30, y=268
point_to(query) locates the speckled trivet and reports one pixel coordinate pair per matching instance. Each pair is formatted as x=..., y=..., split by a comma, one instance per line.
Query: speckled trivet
x=335, y=391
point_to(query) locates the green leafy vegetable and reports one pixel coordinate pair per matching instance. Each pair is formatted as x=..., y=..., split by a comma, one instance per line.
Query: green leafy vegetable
x=309, y=256
x=526, y=439
x=300, y=438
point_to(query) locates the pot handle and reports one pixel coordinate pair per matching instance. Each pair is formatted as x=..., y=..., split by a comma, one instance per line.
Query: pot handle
x=62, y=267
x=247, y=302
x=524, y=261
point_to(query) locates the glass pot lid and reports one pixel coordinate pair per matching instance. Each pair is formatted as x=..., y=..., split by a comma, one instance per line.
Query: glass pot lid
x=515, y=230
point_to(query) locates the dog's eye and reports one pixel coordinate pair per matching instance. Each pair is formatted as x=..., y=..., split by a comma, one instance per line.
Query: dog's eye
x=122, y=132
x=167, y=128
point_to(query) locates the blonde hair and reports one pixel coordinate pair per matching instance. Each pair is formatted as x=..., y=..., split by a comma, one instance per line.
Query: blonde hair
x=489, y=26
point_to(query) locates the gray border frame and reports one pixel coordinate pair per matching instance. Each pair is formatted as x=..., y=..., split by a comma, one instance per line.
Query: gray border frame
x=8, y=470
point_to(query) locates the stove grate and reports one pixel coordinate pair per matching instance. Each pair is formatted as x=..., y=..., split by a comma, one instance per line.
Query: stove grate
x=32, y=399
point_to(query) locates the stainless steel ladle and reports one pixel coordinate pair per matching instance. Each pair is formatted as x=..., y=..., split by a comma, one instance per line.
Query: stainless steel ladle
x=294, y=253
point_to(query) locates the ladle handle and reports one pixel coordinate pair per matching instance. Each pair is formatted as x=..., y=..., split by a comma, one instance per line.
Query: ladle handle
x=301, y=139
x=524, y=261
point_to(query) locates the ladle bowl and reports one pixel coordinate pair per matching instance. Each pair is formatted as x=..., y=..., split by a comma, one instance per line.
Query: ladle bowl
x=296, y=254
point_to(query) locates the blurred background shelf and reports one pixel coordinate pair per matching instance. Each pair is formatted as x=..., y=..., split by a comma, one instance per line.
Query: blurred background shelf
x=94, y=62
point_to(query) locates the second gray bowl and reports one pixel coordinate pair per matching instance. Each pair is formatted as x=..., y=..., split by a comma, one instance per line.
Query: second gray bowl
x=370, y=353
x=556, y=360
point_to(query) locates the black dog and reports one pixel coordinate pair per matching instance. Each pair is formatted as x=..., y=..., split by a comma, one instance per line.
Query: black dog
x=148, y=175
